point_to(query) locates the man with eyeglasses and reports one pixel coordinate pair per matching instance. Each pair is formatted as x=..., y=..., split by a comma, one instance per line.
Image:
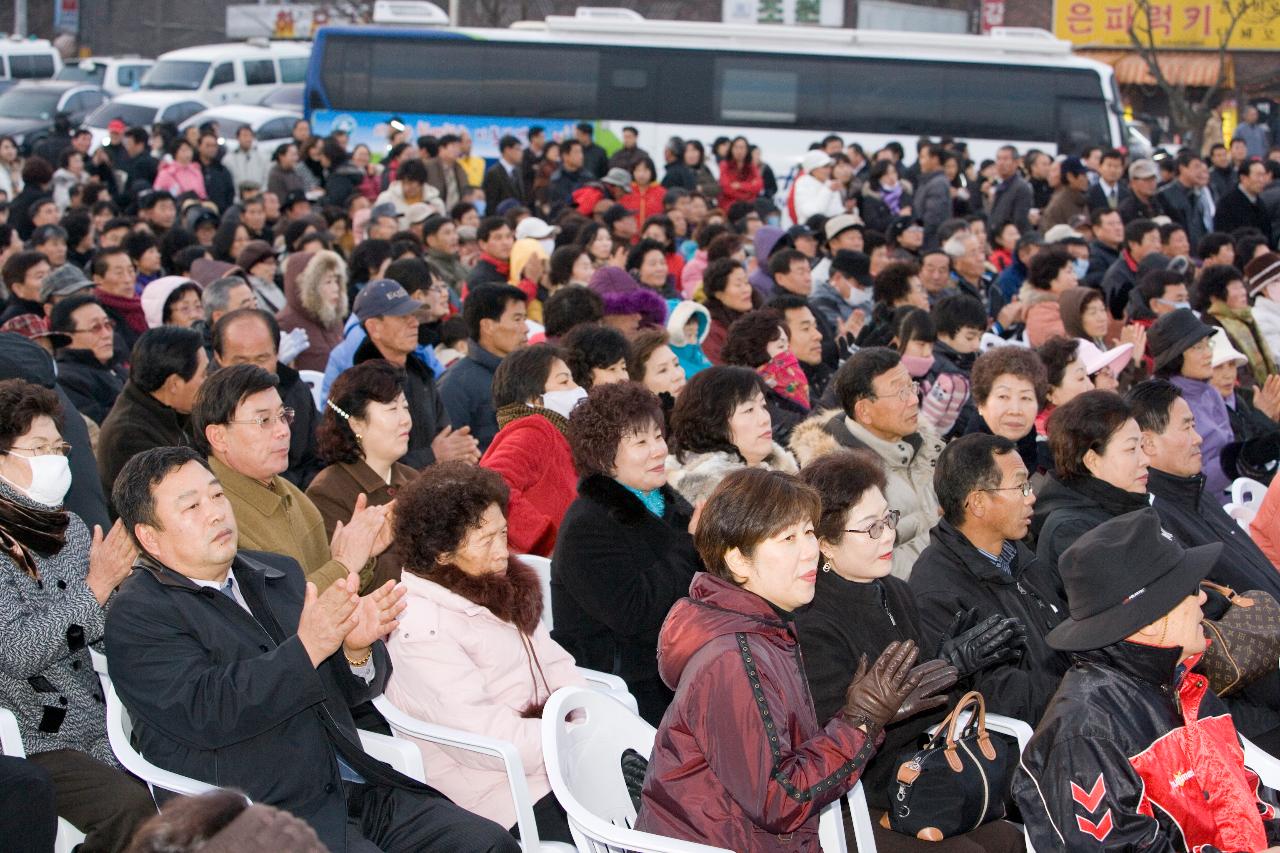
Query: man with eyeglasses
x=87, y=367
x=880, y=412
x=242, y=424
x=252, y=336
x=976, y=561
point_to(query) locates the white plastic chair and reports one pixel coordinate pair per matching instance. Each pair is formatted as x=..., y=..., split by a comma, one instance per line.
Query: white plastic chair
x=11, y=745
x=315, y=381
x=583, y=760
x=120, y=732
x=541, y=565
x=1248, y=492
x=1263, y=763
x=1242, y=513
x=517, y=785
x=400, y=754
x=611, y=684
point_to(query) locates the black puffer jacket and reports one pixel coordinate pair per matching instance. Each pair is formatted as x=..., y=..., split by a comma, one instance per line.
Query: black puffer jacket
x=951, y=575
x=91, y=385
x=1134, y=755
x=615, y=572
x=1065, y=511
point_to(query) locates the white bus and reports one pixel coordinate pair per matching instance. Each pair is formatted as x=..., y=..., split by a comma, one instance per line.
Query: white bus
x=782, y=87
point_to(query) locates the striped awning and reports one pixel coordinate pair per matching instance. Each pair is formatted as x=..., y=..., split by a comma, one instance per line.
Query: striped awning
x=1180, y=67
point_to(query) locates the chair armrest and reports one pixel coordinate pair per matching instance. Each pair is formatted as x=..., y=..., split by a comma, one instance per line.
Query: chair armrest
x=400, y=754
x=1010, y=726
x=11, y=735
x=863, y=835
x=133, y=761
x=605, y=682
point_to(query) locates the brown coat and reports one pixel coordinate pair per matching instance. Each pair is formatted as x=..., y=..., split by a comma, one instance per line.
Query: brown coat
x=303, y=273
x=334, y=492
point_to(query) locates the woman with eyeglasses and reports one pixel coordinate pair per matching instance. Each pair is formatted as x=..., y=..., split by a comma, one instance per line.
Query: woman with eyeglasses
x=858, y=609
x=362, y=434
x=55, y=581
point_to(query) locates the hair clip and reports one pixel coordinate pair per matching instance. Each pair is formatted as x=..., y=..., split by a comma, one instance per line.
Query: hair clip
x=341, y=413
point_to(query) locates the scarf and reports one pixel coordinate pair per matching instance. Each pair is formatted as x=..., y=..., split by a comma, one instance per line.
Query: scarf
x=892, y=198
x=128, y=307
x=503, y=267
x=515, y=598
x=24, y=529
x=1112, y=500
x=783, y=374
x=515, y=411
x=1243, y=331
x=654, y=501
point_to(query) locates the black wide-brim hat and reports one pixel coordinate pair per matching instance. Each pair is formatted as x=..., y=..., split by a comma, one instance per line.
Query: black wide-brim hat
x=1175, y=333
x=1123, y=575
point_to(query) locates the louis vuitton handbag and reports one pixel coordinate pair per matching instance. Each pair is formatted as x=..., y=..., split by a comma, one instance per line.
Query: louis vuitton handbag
x=1245, y=639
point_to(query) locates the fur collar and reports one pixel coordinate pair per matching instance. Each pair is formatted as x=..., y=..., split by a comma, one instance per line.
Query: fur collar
x=515, y=597
x=623, y=505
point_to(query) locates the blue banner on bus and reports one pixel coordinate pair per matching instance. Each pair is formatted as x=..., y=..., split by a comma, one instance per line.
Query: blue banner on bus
x=372, y=129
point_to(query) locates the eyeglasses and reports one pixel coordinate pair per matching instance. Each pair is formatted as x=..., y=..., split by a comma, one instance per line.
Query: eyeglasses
x=890, y=521
x=60, y=448
x=1203, y=345
x=285, y=417
x=1026, y=489
x=100, y=326
x=907, y=394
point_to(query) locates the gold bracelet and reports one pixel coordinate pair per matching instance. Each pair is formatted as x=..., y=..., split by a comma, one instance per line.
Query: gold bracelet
x=356, y=664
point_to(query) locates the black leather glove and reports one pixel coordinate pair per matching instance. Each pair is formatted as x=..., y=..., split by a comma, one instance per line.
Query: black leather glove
x=877, y=691
x=971, y=647
x=936, y=678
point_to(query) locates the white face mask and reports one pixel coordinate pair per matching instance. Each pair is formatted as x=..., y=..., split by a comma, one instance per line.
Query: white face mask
x=50, y=479
x=563, y=402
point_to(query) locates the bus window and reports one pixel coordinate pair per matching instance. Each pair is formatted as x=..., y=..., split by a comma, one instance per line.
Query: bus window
x=747, y=95
x=293, y=69
x=1081, y=123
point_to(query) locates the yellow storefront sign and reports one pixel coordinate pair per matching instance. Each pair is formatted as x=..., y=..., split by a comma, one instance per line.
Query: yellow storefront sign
x=1175, y=23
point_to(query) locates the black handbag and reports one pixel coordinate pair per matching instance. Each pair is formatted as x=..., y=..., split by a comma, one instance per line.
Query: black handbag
x=955, y=782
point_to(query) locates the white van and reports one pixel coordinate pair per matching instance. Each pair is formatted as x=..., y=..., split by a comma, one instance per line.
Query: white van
x=28, y=59
x=116, y=74
x=239, y=73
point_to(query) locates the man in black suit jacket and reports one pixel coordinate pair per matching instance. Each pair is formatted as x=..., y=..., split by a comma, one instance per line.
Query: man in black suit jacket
x=502, y=180
x=1242, y=207
x=1108, y=191
x=238, y=674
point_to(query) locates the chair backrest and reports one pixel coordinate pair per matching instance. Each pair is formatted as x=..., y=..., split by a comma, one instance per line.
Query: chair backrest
x=1248, y=492
x=541, y=565
x=1241, y=512
x=11, y=735
x=315, y=381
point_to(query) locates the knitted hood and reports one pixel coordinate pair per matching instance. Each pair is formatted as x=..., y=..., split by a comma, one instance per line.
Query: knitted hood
x=157, y=293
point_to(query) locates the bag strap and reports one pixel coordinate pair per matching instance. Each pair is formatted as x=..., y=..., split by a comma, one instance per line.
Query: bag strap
x=973, y=697
x=1225, y=591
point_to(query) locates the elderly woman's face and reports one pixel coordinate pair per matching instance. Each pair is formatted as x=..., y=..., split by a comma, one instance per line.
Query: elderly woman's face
x=856, y=556
x=483, y=550
x=384, y=429
x=39, y=440
x=1010, y=408
x=783, y=568
x=640, y=461
x=1123, y=462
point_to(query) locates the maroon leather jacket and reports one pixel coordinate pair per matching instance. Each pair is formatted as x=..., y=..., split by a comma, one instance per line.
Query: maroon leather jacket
x=740, y=761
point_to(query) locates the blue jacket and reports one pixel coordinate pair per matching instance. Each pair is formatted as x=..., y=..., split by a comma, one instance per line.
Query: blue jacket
x=341, y=357
x=467, y=391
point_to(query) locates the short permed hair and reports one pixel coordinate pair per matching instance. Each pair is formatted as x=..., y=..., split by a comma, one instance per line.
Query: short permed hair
x=20, y=404
x=841, y=479
x=133, y=495
x=893, y=284
x=967, y=464
x=609, y=414
x=1086, y=423
x=700, y=419
x=749, y=337
x=439, y=507
x=592, y=345
x=1014, y=360
x=222, y=393
x=570, y=307
x=749, y=506
x=374, y=381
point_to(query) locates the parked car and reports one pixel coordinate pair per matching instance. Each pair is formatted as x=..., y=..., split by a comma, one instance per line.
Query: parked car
x=270, y=126
x=143, y=109
x=27, y=110
x=239, y=73
x=28, y=59
x=115, y=74
x=286, y=97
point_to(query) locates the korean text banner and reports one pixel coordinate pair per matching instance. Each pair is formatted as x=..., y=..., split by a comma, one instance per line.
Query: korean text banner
x=1175, y=23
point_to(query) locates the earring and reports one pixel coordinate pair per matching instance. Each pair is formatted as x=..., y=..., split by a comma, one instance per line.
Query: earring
x=359, y=438
x=826, y=564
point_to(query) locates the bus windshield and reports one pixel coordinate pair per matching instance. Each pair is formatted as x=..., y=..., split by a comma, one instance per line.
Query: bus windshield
x=176, y=74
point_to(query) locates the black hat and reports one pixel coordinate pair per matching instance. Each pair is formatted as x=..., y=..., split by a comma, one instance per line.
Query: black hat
x=1175, y=333
x=853, y=265
x=616, y=213
x=1123, y=575
x=796, y=231
x=900, y=224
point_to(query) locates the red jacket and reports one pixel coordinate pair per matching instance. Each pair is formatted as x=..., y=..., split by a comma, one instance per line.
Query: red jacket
x=740, y=761
x=644, y=203
x=535, y=461
x=749, y=182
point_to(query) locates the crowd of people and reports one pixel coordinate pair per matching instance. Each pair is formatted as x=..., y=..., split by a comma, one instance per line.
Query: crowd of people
x=809, y=462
